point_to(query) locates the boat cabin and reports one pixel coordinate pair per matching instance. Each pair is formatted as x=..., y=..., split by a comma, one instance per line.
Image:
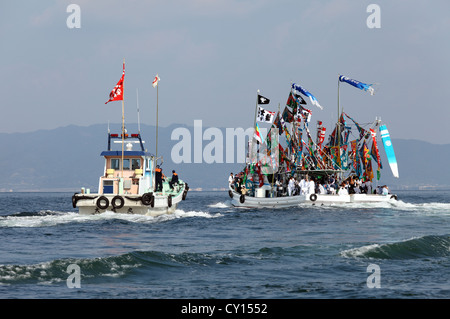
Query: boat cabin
x=127, y=172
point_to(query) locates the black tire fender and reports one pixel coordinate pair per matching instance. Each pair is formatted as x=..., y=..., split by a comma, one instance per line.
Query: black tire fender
x=120, y=201
x=242, y=199
x=169, y=200
x=230, y=193
x=184, y=194
x=147, y=199
x=74, y=200
x=313, y=197
x=102, y=202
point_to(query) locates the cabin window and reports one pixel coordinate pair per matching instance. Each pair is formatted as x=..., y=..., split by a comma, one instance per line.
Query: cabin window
x=126, y=163
x=115, y=163
x=135, y=163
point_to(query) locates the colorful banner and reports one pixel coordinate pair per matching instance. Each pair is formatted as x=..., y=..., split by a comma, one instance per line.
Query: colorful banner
x=357, y=84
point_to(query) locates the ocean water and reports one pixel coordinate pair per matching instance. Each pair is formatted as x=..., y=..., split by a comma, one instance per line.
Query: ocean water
x=209, y=250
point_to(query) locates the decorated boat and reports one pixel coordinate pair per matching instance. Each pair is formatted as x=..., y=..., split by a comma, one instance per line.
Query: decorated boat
x=132, y=181
x=290, y=167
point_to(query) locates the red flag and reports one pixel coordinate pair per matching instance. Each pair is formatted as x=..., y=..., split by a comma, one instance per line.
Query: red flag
x=117, y=93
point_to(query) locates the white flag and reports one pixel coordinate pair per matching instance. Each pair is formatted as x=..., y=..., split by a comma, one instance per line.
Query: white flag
x=155, y=81
x=264, y=115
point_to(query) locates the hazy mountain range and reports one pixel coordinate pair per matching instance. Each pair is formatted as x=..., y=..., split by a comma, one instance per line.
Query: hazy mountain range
x=68, y=158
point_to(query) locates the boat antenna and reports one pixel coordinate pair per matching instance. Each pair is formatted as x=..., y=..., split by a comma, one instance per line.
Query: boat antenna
x=137, y=103
x=156, y=83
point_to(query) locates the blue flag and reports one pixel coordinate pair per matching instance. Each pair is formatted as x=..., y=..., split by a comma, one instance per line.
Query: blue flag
x=306, y=93
x=357, y=84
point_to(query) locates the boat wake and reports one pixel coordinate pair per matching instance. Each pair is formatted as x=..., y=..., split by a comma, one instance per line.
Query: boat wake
x=441, y=208
x=48, y=219
x=226, y=204
x=420, y=247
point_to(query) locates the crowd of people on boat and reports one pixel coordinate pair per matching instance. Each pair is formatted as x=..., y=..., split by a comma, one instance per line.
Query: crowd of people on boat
x=305, y=185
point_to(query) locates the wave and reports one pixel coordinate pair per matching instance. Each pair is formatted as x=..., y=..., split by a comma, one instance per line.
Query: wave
x=421, y=247
x=46, y=219
x=93, y=269
x=226, y=204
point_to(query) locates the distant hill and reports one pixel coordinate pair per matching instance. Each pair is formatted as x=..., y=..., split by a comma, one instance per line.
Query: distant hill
x=68, y=158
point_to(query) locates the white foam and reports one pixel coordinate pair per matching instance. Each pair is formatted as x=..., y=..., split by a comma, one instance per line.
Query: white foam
x=226, y=204
x=72, y=217
x=359, y=251
x=40, y=221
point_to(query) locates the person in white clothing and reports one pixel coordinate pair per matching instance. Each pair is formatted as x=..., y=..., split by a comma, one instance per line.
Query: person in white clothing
x=369, y=186
x=291, y=186
x=343, y=190
x=231, y=178
x=322, y=189
x=311, y=187
x=304, y=186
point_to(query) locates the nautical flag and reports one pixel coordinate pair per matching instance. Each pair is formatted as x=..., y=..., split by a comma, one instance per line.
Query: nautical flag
x=117, y=93
x=287, y=115
x=305, y=113
x=357, y=84
x=264, y=115
x=277, y=123
x=375, y=147
x=299, y=99
x=321, y=136
x=306, y=93
x=292, y=103
x=155, y=81
x=263, y=100
x=257, y=134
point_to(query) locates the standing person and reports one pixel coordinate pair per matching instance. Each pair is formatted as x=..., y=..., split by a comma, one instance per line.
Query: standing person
x=369, y=186
x=231, y=178
x=304, y=185
x=174, y=179
x=291, y=186
x=158, y=179
x=312, y=187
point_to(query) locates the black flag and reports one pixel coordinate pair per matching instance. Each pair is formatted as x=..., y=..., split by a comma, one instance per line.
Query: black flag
x=300, y=99
x=263, y=100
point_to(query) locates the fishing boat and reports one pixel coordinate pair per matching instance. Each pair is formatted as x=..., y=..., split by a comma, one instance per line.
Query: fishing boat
x=128, y=182
x=290, y=167
x=132, y=181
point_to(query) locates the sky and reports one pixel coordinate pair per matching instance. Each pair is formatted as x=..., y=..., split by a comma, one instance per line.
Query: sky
x=213, y=56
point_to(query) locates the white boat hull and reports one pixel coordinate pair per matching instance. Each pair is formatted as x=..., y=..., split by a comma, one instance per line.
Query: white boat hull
x=265, y=202
x=90, y=204
x=352, y=198
x=239, y=200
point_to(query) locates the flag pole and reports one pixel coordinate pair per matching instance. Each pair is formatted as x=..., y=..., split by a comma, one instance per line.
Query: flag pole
x=338, y=124
x=256, y=109
x=123, y=117
x=157, y=87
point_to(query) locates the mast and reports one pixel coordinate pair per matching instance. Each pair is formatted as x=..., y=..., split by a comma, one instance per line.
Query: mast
x=256, y=110
x=254, y=129
x=123, y=118
x=157, y=97
x=338, y=130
